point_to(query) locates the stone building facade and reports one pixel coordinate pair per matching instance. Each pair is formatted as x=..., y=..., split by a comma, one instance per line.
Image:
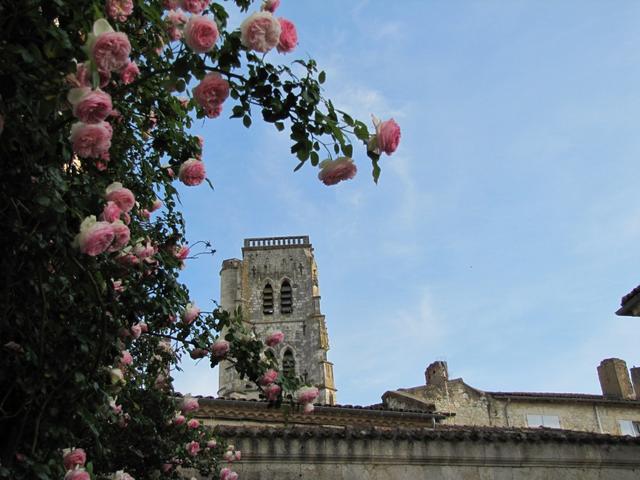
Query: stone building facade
x=615, y=412
x=276, y=285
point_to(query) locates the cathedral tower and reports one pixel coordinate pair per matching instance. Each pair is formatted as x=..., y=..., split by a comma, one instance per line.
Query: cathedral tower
x=276, y=284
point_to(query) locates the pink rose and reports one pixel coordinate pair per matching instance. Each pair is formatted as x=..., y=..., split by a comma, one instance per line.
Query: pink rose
x=181, y=252
x=74, y=457
x=122, y=475
x=274, y=338
x=189, y=404
x=260, y=32
x=220, y=348
x=126, y=358
x=144, y=327
x=121, y=236
x=146, y=214
x=200, y=33
x=144, y=251
x=268, y=377
x=119, y=10
x=212, y=443
x=156, y=205
x=197, y=353
x=128, y=259
x=78, y=474
x=272, y=392
x=334, y=171
x=179, y=420
x=171, y=4
x=193, y=448
x=123, y=197
x=210, y=93
x=238, y=455
x=288, y=36
x=111, y=212
x=117, y=285
x=190, y=314
x=94, y=237
x=193, y=423
x=90, y=106
x=306, y=394
x=136, y=330
x=195, y=6
x=176, y=20
x=82, y=77
x=388, y=136
x=91, y=140
x=110, y=51
x=192, y=172
x=270, y=5
x=308, y=408
x=129, y=73
x=228, y=474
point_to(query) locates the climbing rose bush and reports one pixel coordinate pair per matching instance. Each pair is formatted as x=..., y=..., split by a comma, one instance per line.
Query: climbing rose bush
x=97, y=101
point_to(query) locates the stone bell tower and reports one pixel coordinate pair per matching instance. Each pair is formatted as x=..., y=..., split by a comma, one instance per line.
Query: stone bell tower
x=276, y=284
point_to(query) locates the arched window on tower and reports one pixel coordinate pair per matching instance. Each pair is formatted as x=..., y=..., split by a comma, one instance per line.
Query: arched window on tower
x=286, y=297
x=267, y=299
x=288, y=364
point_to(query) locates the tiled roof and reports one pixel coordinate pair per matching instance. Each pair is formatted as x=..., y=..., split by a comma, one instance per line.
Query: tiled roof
x=441, y=432
x=579, y=397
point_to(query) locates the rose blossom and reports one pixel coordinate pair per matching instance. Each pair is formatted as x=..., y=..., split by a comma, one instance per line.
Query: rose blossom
x=126, y=358
x=193, y=448
x=274, y=338
x=175, y=22
x=306, y=394
x=136, y=330
x=91, y=140
x=388, y=136
x=171, y=4
x=200, y=33
x=116, y=376
x=220, y=348
x=121, y=235
x=210, y=93
x=111, y=212
x=288, y=36
x=268, y=378
x=212, y=443
x=77, y=474
x=129, y=73
x=272, y=391
x=190, y=314
x=334, y=171
x=195, y=6
x=94, y=237
x=119, y=9
x=181, y=252
x=123, y=197
x=260, y=31
x=82, y=77
x=197, y=353
x=189, y=404
x=270, y=5
x=179, y=420
x=109, y=50
x=157, y=204
x=193, y=423
x=73, y=457
x=308, y=408
x=228, y=474
x=90, y=106
x=192, y=172
x=122, y=475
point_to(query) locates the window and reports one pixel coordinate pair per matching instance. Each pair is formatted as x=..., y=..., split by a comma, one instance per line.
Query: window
x=286, y=297
x=288, y=364
x=629, y=427
x=267, y=299
x=548, y=421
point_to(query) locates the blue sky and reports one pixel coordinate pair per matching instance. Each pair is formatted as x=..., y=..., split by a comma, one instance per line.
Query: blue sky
x=503, y=231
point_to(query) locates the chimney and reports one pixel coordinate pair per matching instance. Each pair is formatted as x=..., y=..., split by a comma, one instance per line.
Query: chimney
x=635, y=379
x=614, y=379
x=436, y=373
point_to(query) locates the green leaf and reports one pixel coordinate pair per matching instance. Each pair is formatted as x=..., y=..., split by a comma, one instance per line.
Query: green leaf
x=279, y=126
x=347, y=149
x=322, y=77
x=315, y=158
x=246, y=121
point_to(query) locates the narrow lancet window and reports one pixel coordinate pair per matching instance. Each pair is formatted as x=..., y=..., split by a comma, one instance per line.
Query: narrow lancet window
x=267, y=300
x=288, y=364
x=286, y=297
